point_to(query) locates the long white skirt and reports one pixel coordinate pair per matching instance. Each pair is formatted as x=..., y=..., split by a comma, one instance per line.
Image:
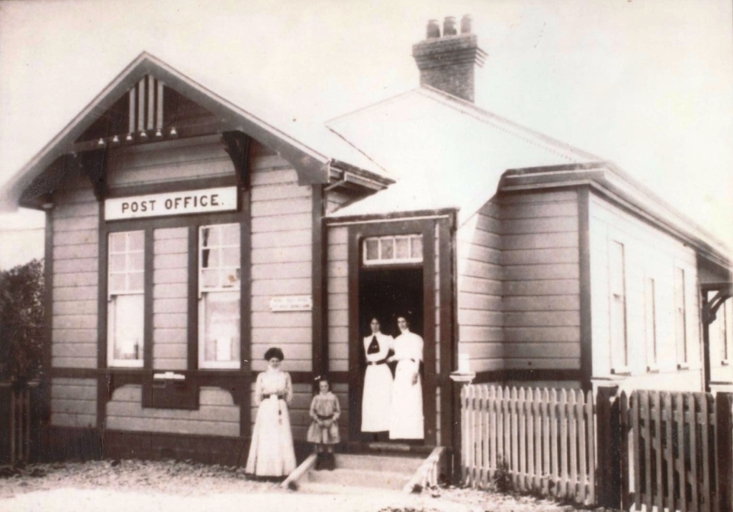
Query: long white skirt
x=376, y=399
x=406, y=419
x=271, y=452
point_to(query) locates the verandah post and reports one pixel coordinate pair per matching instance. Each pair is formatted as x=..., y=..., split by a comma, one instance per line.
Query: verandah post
x=724, y=450
x=608, y=447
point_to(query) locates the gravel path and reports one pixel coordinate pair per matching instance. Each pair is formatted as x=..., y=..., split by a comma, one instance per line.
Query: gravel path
x=143, y=486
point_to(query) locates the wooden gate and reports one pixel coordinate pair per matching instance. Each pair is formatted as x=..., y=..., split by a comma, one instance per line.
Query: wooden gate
x=674, y=454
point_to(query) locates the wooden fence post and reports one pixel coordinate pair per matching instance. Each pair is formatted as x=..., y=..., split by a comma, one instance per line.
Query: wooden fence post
x=608, y=447
x=724, y=450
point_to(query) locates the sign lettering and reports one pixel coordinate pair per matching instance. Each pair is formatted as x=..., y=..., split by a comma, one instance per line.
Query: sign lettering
x=219, y=199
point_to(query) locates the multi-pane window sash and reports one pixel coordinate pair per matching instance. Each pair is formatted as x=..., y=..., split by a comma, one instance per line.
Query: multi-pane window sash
x=219, y=296
x=126, y=299
x=617, y=289
x=388, y=250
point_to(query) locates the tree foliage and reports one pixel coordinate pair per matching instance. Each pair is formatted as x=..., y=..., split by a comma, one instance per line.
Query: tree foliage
x=21, y=322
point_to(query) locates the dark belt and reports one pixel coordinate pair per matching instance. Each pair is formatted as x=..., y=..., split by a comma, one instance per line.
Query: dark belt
x=322, y=417
x=274, y=394
x=381, y=361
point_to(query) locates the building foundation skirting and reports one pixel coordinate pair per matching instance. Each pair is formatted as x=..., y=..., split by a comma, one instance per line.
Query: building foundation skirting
x=63, y=443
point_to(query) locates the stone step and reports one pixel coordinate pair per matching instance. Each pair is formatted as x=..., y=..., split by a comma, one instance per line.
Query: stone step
x=343, y=478
x=396, y=464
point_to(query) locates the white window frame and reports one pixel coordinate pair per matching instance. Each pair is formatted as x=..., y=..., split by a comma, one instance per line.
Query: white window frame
x=234, y=364
x=619, y=362
x=394, y=260
x=680, y=322
x=650, y=324
x=724, y=334
x=112, y=294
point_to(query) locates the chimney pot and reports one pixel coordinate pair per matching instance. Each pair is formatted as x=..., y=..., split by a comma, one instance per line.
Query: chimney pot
x=449, y=26
x=433, y=29
x=448, y=63
x=466, y=24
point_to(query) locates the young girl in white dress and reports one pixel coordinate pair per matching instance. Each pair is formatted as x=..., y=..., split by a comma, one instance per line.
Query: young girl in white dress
x=324, y=431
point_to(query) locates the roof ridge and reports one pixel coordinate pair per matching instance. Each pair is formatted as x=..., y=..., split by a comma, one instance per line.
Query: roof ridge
x=456, y=103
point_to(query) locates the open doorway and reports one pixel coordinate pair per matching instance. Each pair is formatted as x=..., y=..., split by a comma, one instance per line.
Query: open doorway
x=385, y=293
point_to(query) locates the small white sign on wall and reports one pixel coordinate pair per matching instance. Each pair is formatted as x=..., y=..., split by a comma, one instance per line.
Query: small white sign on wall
x=208, y=200
x=292, y=303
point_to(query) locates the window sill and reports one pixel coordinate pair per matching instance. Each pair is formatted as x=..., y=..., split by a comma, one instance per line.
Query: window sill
x=652, y=368
x=124, y=364
x=221, y=366
x=683, y=366
x=622, y=371
x=725, y=362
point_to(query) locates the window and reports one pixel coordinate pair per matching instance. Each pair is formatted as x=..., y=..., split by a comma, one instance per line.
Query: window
x=680, y=310
x=723, y=326
x=617, y=289
x=650, y=324
x=386, y=250
x=219, y=296
x=126, y=299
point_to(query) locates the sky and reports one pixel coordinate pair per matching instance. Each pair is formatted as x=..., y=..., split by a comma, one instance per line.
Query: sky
x=646, y=84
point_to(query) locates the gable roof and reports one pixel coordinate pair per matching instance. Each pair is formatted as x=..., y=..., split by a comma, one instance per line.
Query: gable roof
x=426, y=138
x=311, y=152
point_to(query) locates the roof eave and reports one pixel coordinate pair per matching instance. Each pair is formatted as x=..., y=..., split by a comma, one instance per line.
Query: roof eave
x=311, y=166
x=610, y=181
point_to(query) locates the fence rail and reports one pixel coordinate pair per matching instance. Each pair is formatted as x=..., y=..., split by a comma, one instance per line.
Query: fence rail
x=644, y=449
x=672, y=455
x=532, y=440
x=19, y=427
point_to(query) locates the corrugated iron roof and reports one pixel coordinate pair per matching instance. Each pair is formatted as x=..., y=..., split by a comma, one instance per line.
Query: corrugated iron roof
x=445, y=152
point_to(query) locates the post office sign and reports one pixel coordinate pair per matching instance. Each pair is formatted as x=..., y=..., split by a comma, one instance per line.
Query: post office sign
x=208, y=200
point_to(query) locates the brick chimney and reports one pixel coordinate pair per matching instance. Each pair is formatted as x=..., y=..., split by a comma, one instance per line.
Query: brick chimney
x=448, y=63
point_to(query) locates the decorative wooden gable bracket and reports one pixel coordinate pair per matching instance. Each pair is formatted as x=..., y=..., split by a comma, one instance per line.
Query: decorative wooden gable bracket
x=237, y=145
x=710, y=306
x=93, y=164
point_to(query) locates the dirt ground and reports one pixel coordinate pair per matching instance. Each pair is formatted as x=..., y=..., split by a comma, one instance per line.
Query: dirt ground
x=143, y=486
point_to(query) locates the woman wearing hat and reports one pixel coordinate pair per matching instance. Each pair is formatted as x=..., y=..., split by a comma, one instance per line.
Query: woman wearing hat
x=271, y=452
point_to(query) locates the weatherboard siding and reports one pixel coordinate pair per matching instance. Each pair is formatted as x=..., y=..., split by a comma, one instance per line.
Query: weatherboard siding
x=282, y=254
x=74, y=402
x=649, y=253
x=540, y=280
x=480, y=323
x=172, y=160
x=338, y=299
x=76, y=278
x=170, y=299
x=217, y=414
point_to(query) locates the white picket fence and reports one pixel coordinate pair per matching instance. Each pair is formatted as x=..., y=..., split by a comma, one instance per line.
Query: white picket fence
x=532, y=440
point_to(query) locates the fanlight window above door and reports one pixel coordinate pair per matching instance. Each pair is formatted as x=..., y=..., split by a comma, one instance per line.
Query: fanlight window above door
x=389, y=250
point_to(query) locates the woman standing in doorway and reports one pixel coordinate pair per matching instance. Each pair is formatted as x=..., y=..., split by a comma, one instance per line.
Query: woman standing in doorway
x=406, y=417
x=377, y=395
x=271, y=452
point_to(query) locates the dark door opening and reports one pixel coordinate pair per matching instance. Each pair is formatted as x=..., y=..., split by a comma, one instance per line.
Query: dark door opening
x=385, y=293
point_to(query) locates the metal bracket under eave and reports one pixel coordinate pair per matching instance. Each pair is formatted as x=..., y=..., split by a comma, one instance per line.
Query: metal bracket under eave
x=710, y=306
x=352, y=181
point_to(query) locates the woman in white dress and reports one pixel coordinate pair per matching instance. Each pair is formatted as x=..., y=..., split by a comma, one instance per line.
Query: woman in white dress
x=271, y=452
x=406, y=417
x=377, y=395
